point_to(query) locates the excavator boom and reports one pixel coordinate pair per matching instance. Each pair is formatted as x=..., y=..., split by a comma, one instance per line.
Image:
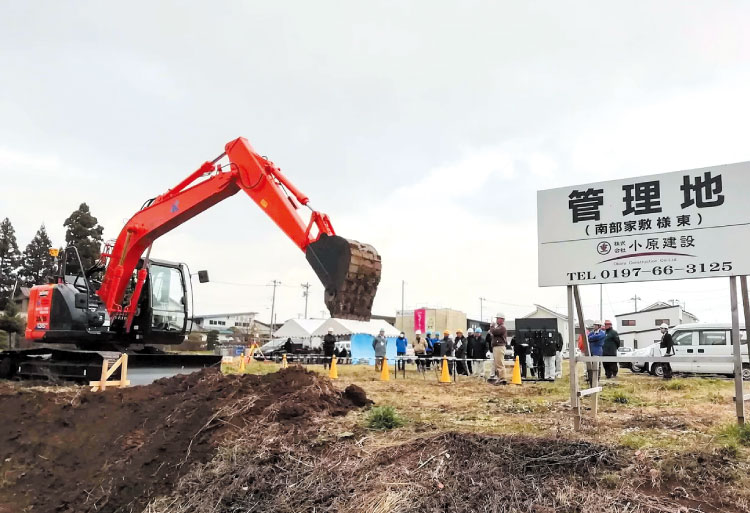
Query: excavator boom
x=349, y=270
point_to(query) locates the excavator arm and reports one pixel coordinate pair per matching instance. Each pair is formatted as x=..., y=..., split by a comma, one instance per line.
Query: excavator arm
x=349, y=270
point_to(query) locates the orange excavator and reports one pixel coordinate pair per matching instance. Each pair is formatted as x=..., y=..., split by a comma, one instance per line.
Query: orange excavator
x=141, y=303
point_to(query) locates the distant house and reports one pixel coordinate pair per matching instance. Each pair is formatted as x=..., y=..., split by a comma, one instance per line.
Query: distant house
x=224, y=321
x=21, y=299
x=641, y=328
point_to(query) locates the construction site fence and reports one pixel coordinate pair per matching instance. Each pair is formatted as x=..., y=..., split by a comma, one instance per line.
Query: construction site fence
x=481, y=367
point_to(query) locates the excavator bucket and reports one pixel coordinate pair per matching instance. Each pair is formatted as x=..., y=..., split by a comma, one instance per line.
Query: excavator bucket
x=350, y=273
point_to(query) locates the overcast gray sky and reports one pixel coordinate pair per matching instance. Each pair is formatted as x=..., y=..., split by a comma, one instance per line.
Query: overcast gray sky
x=423, y=128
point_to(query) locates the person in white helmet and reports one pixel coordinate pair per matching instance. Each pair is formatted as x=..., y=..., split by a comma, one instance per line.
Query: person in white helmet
x=667, y=344
x=499, y=343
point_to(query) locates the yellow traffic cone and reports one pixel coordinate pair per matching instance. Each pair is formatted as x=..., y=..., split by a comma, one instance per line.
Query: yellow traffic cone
x=242, y=364
x=516, y=378
x=384, y=373
x=333, y=373
x=445, y=377
x=284, y=363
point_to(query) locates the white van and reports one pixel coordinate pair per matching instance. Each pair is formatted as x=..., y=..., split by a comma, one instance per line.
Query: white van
x=699, y=339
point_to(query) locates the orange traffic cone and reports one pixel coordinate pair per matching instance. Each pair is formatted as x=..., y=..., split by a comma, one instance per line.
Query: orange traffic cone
x=284, y=363
x=516, y=377
x=384, y=374
x=445, y=376
x=333, y=373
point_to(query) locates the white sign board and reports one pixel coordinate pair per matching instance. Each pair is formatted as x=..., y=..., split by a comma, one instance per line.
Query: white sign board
x=672, y=226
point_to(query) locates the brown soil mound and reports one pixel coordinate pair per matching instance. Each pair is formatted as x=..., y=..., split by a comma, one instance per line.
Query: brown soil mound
x=78, y=451
x=449, y=472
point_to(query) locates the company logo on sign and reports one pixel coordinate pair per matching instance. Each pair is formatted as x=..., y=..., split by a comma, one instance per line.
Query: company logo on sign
x=603, y=248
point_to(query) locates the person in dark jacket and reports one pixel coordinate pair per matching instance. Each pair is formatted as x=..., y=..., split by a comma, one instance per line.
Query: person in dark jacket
x=668, y=345
x=470, y=342
x=609, y=348
x=520, y=345
x=288, y=345
x=461, y=344
x=549, y=348
x=447, y=348
x=329, y=346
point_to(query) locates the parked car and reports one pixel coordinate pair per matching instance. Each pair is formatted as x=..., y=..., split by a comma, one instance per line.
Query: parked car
x=624, y=351
x=699, y=340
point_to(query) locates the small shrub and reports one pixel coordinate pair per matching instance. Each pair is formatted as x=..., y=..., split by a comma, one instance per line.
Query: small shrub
x=733, y=435
x=384, y=417
x=675, y=384
x=618, y=396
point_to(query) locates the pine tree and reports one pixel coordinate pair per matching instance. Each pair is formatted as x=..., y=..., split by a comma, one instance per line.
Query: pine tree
x=10, y=322
x=9, y=260
x=38, y=264
x=84, y=232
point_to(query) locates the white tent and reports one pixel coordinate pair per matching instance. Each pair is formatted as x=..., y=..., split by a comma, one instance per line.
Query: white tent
x=350, y=327
x=298, y=328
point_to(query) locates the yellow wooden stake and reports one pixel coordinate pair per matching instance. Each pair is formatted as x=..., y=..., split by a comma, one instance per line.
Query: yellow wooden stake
x=284, y=363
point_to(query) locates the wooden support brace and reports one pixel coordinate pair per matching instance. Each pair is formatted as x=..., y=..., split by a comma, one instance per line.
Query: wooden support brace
x=589, y=391
x=107, y=371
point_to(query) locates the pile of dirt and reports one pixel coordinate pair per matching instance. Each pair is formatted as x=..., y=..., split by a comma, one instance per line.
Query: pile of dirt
x=449, y=472
x=77, y=451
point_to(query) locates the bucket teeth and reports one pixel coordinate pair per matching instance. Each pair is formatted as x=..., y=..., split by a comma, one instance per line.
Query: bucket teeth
x=350, y=272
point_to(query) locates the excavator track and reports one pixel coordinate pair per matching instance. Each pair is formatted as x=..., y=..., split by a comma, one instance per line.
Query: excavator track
x=350, y=272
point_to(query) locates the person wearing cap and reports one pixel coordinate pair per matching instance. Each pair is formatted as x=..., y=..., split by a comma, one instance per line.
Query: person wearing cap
x=667, y=344
x=329, y=346
x=436, y=351
x=609, y=348
x=470, y=346
x=447, y=348
x=379, y=345
x=596, y=339
x=499, y=343
x=401, y=344
x=420, y=349
x=461, y=345
x=428, y=348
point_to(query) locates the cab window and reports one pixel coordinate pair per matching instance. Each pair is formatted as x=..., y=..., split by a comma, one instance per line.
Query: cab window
x=684, y=338
x=713, y=338
x=167, y=298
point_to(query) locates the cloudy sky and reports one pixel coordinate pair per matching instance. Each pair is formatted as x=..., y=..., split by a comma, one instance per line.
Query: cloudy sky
x=423, y=128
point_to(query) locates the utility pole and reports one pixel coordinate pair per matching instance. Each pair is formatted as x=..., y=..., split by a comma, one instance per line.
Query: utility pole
x=403, y=321
x=306, y=293
x=481, y=309
x=273, y=304
x=635, y=298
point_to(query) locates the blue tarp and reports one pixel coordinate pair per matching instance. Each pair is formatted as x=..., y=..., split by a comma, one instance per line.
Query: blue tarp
x=362, y=347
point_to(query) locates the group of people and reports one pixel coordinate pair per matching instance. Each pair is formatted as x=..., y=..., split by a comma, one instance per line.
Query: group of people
x=605, y=342
x=471, y=350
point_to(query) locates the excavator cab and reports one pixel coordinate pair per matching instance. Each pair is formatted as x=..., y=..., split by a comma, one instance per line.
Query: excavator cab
x=165, y=305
